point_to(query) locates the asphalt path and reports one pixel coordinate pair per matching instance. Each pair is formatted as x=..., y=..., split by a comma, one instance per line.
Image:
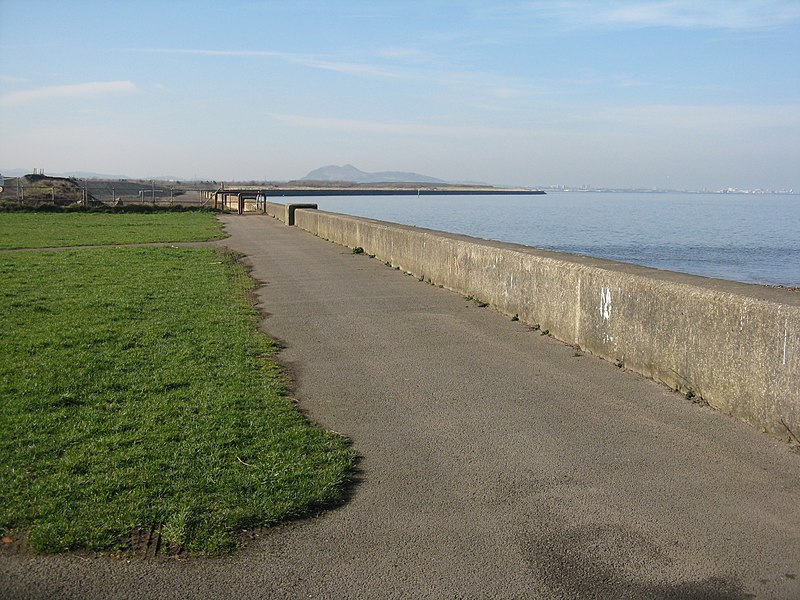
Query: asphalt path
x=495, y=462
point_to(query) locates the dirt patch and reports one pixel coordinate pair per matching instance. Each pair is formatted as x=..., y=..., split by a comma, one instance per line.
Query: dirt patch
x=141, y=543
x=148, y=543
x=14, y=543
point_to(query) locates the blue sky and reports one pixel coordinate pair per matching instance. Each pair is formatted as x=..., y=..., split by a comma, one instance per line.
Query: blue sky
x=672, y=93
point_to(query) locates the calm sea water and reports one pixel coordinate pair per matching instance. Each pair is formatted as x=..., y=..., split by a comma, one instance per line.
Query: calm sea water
x=748, y=238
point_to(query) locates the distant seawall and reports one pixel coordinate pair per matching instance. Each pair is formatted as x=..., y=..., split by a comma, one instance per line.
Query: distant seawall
x=399, y=192
x=250, y=198
x=735, y=346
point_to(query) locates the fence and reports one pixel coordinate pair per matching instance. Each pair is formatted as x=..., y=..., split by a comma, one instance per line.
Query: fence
x=24, y=192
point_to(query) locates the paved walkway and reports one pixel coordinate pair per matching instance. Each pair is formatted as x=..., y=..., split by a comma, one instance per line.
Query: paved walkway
x=496, y=462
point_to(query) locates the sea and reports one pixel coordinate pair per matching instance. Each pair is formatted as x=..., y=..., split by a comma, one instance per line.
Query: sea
x=751, y=238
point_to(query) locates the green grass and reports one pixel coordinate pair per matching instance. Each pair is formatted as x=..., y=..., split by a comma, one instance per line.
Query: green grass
x=135, y=390
x=41, y=230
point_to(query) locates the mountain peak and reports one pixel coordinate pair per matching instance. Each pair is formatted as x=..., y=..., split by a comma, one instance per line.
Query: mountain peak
x=355, y=175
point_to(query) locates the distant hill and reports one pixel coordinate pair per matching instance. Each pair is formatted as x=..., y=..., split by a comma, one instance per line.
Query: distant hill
x=351, y=173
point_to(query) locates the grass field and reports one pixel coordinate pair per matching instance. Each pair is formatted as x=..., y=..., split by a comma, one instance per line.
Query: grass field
x=136, y=391
x=42, y=229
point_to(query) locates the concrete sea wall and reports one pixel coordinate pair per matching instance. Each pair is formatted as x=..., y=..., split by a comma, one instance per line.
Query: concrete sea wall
x=285, y=212
x=735, y=346
x=278, y=211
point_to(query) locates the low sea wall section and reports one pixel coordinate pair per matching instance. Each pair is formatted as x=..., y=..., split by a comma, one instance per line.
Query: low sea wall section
x=285, y=212
x=734, y=346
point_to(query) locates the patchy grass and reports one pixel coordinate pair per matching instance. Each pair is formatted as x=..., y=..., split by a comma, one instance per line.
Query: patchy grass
x=42, y=230
x=135, y=390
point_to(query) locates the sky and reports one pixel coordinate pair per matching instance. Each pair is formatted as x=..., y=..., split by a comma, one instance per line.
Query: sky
x=675, y=94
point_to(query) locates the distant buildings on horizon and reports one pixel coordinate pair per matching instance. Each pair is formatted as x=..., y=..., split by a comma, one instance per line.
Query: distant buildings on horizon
x=730, y=190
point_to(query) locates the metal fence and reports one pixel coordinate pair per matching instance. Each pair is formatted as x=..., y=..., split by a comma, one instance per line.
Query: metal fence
x=23, y=192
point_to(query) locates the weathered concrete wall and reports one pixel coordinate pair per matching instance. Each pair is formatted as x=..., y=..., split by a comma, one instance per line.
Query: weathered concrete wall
x=277, y=211
x=285, y=212
x=736, y=346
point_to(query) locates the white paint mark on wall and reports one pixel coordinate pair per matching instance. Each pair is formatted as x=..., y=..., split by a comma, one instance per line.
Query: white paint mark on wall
x=578, y=314
x=509, y=286
x=605, y=303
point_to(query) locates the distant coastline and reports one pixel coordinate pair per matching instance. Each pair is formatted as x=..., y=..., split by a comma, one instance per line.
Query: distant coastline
x=370, y=181
x=603, y=190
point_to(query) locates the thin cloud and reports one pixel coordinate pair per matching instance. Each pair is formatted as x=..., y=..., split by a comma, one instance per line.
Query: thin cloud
x=398, y=53
x=507, y=92
x=408, y=55
x=350, y=68
x=477, y=83
x=498, y=87
x=79, y=90
x=347, y=67
x=710, y=15
x=206, y=52
x=736, y=15
x=11, y=79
